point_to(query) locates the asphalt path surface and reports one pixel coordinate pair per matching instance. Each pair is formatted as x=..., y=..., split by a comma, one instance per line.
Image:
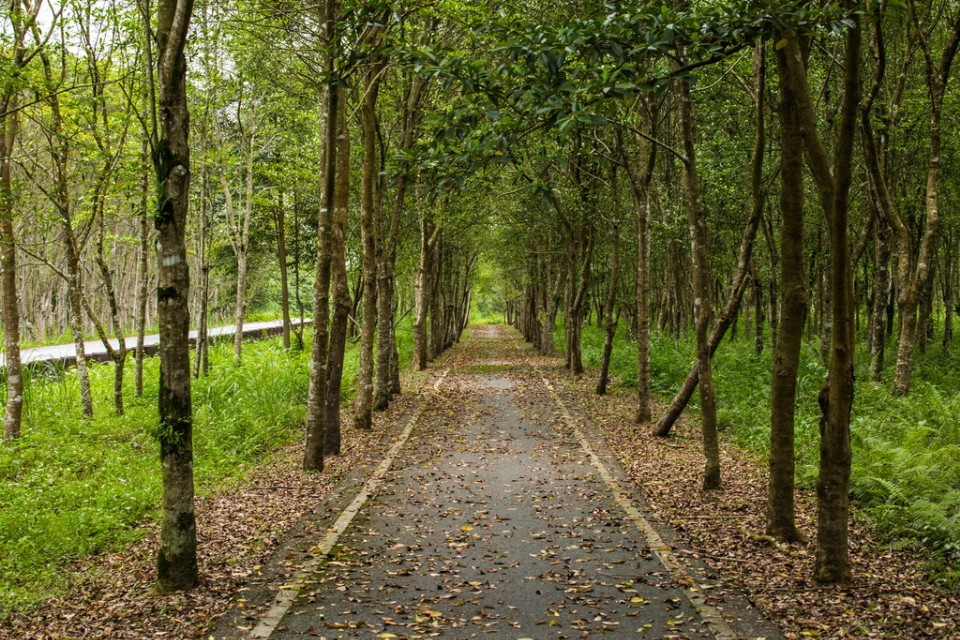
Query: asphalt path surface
x=94, y=349
x=502, y=516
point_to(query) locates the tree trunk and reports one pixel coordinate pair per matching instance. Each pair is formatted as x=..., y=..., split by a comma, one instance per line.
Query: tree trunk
x=949, y=293
x=388, y=363
x=703, y=303
x=341, y=291
x=282, y=263
x=609, y=306
x=177, y=556
x=202, y=345
x=315, y=428
x=13, y=411
x=363, y=406
x=640, y=185
x=913, y=283
x=737, y=286
x=422, y=290
x=62, y=202
x=781, y=520
x=833, y=179
x=143, y=273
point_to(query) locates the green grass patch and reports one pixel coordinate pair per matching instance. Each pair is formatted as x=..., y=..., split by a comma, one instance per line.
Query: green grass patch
x=71, y=487
x=906, y=451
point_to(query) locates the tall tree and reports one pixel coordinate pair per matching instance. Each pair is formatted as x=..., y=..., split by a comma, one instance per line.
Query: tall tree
x=833, y=178
x=177, y=556
x=702, y=290
x=781, y=522
x=21, y=15
x=316, y=398
x=369, y=211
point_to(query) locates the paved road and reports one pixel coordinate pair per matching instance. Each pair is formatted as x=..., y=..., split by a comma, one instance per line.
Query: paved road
x=497, y=518
x=67, y=353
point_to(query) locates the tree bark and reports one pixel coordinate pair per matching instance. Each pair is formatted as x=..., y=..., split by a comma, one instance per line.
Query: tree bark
x=177, y=556
x=281, y=219
x=13, y=411
x=363, y=405
x=703, y=300
x=341, y=290
x=422, y=290
x=781, y=519
x=833, y=178
x=913, y=282
x=609, y=306
x=143, y=273
x=315, y=428
x=640, y=185
x=388, y=366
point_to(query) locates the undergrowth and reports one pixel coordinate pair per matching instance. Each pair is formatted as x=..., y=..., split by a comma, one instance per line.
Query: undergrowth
x=70, y=486
x=906, y=451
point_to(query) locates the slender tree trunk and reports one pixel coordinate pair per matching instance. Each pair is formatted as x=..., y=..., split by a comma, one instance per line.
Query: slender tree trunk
x=833, y=178
x=13, y=411
x=202, y=345
x=609, y=308
x=758, y=314
x=913, y=284
x=315, y=428
x=282, y=263
x=640, y=184
x=388, y=361
x=428, y=239
x=781, y=520
x=881, y=296
x=241, y=244
x=143, y=273
x=703, y=302
x=737, y=287
x=62, y=202
x=363, y=406
x=177, y=556
x=298, y=331
x=341, y=291
x=949, y=293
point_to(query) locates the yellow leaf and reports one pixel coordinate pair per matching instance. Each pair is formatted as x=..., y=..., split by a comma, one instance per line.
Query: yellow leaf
x=466, y=527
x=782, y=43
x=386, y=635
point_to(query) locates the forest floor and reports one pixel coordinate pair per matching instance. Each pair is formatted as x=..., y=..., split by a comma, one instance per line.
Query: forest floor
x=495, y=519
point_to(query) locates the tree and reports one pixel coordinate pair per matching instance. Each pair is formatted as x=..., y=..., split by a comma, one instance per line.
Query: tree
x=177, y=557
x=369, y=211
x=833, y=178
x=22, y=14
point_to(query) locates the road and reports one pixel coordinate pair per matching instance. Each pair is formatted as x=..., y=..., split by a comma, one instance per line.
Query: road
x=497, y=513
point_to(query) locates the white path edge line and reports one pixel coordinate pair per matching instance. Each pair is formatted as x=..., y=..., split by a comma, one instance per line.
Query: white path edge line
x=694, y=592
x=285, y=597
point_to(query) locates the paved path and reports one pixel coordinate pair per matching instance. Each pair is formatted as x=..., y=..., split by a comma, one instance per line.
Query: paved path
x=498, y=518
x=66, y=354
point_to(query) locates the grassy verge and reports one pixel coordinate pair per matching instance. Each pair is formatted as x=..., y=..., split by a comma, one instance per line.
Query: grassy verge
x=906, y=451
x=71, y=487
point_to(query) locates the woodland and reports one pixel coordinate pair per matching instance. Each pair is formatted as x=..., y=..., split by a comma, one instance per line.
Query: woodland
x=746, y=208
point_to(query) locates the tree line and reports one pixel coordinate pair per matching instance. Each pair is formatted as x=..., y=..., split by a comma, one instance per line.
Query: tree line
x=688, y=168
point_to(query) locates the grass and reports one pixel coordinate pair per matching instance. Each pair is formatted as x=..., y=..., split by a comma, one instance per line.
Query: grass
x=906, y=451
x=71, y=487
